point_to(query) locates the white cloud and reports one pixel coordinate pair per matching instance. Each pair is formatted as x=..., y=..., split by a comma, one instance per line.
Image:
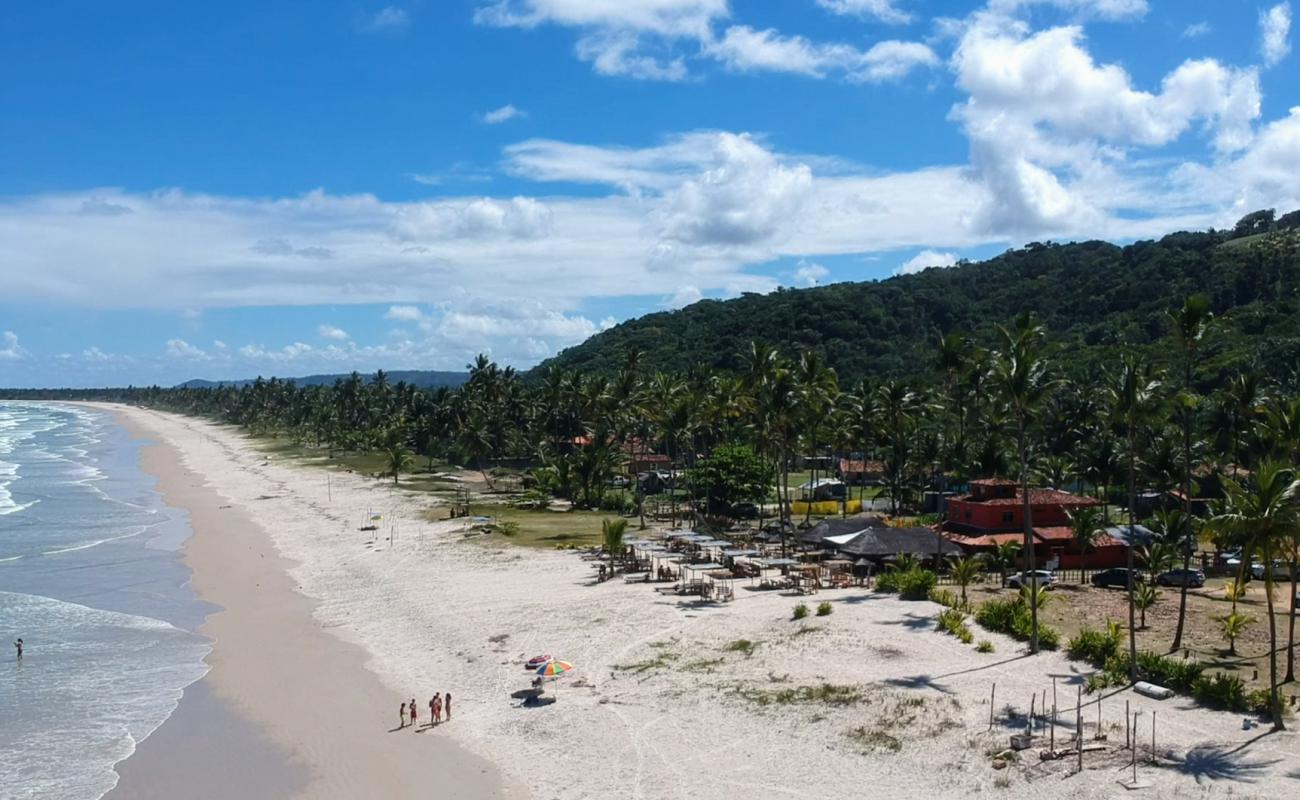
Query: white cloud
x=743, y=48
x=684, y=296
x=1275, y=33
x=217, y=344
x=9, y=348
x=1196, y=30
x=748, y=197
x=809, y=273
x=632, y=38
x=179, y=348
x=1084, y=9
x=503, y=114
x=519, y=217
x=404, y=313
x=326, y=331
x=1050, y=128
x=96, y=355
x=924, y=260
x=387, y=19
x=883, y=10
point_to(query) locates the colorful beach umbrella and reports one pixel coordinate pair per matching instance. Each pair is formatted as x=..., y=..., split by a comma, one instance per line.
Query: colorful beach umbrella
x=554, y=669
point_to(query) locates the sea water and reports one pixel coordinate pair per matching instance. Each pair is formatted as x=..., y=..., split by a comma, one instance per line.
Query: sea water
x=91, y=579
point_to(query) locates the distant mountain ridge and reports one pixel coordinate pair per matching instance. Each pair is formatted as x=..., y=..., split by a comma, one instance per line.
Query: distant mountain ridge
x=419, y=378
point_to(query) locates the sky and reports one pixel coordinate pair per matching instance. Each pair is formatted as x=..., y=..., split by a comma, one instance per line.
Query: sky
x=224, y=190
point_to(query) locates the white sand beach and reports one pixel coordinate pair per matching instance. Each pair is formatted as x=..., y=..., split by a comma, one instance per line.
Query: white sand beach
x=663, y=702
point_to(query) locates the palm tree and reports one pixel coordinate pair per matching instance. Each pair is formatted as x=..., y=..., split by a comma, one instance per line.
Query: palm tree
x=1134, y=400
x=1233, y=625
x=1145, y=597
x=818, y=392
x=398, y=458
x=1282, y=427
x=1021, y=376
x=965, y=571
x=1189, y=325
x=1262, y=515
x=1087, y=525
x=1004, y=558
x=611, y=538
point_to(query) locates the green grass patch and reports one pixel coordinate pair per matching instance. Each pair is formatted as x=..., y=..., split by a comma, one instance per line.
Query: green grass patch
x=740, y=646
x=545, y=529
x=828, y=694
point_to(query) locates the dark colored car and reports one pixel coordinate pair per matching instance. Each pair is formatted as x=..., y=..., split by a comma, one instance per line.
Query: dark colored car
x=744, y=511
x=1116, y=576
x=1193, y=578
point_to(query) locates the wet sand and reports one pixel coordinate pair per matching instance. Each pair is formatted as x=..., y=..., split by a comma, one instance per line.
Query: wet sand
x=287, y=710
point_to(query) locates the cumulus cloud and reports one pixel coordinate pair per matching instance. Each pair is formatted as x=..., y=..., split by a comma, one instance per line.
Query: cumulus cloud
x=1196, y=30
x=326, y=331
x=519, y=217
x=404, y=313
x=924, y=260
x=745, y=199
x=684, y=296
x=1045, y=121
x=94, y=354
x=9, y=348
x=883, y=10
x=503, y=114
x=386, y=20
x=1275, y=33
x=179, y=348
x=810, y=273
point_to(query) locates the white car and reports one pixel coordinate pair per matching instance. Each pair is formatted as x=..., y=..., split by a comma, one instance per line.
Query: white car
x=1042, y=576
x=1281, y=571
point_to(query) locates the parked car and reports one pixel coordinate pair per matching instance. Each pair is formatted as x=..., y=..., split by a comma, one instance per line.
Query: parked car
x=1281, y=571
x=620, y=482
x=1116, y=576
x=1193, y=578
x=1044, y=578
x=744, y=511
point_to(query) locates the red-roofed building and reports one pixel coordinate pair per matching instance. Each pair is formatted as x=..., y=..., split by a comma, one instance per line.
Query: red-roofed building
x=993, y=513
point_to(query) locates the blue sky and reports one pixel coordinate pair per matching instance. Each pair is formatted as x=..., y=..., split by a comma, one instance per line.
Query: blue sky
x=294, y=187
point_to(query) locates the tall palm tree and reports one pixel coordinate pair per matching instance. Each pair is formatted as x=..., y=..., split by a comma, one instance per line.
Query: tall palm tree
x=1004, y=558
x=1087, y=526
x=1262, y=515
x=611, y=538
x=1134, y=399
x=1189, y=325
x=1022, y=376
x=818, y=392
x=398, y=458
x=1282, y=428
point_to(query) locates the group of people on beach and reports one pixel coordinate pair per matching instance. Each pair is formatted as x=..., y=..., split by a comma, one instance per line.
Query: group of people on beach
x=439, y=704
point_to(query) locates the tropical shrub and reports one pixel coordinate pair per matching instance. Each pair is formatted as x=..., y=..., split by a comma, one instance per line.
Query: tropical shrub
x=985, y=646
x=800, y=611
x=944, y=598
x=1094, y=647
x=1220, y=691
x=913, y=583
x=824, y=609
x=1012, y=617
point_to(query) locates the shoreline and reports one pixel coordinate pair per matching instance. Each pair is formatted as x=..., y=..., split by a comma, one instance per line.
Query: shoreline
x=286, y=709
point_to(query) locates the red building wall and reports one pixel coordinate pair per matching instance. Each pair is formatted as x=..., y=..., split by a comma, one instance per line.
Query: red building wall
x=1004, y=516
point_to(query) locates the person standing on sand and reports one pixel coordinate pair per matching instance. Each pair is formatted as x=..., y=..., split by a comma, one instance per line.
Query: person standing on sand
x=437, y=707
x=431, y=705
x=18, y=645
x=401, y=715
x=446, y=705
x=414, y=714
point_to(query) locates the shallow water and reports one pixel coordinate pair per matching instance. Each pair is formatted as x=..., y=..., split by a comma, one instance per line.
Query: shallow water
x=90, y=578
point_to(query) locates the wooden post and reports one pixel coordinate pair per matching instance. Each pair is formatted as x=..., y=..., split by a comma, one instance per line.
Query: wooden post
x=1053, y=699
x=1100, y=730
x=992, y=697
x=1052, y=733
x=1030, y=728
x=1134, y=758
x=1128, y=730
x=1042, y=710
x=1154, y=759
x=1078, y=729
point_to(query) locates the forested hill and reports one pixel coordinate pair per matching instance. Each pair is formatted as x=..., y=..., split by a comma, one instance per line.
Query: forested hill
x=421, y=379
x=1093, y=297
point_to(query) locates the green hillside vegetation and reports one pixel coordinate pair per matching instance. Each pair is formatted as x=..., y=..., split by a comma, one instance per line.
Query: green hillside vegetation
x=1095, y=298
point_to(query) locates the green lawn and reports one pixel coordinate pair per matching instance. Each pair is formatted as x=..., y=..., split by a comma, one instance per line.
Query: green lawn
x=372, y=464
x=548, y=528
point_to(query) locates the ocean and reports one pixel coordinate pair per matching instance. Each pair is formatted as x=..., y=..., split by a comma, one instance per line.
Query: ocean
x=91, y=580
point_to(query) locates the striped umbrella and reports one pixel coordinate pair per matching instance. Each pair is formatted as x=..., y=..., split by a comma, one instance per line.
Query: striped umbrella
x=554, y=669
